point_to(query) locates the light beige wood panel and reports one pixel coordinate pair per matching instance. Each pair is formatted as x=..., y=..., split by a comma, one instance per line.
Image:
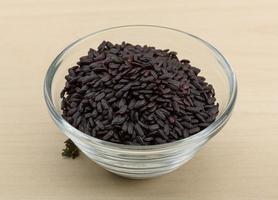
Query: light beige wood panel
x=239, y=163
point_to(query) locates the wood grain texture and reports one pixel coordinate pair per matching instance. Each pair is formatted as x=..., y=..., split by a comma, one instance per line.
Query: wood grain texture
x=240, y=163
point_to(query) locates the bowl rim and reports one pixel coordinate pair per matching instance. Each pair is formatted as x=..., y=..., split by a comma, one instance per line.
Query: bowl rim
x=205, y=133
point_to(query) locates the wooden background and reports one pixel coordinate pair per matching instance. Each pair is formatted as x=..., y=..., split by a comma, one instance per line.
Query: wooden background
x=239, y=163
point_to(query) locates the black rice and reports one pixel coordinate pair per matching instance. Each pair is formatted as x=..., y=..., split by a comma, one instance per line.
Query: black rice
x=137, y=95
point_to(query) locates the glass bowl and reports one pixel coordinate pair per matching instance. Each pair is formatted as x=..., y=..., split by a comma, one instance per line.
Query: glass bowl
x=153, y=160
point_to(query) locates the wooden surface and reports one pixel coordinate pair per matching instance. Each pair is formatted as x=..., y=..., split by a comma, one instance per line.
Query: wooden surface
x=240, y=163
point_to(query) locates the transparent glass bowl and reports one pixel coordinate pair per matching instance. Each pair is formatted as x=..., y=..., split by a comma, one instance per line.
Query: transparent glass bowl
x=144, y=161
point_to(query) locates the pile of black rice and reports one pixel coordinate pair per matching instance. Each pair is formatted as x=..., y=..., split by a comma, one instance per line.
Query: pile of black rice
x=137, y=95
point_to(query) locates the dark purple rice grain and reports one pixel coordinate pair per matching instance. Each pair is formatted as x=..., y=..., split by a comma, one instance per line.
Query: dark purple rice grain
x=77, y=121
x=142, y=124
x=139, y=140
x=211, y=100
x=87, y=115
x=91, y=122
x=185, y=133
x=200, y=117
x=94, y=114
x=99, y=125
x=118, y=120
x=193, y=109
x=160, y=114
x=118, y=86
x=160, y=122
x=194, y=121
x=116, y=136
x=137, y=95
x=122, y=102
x=210, y=119
x=153, y=127
x=203, y=125
x=139, y=130
x=125, y=126
x=104, y=104
x=178, y=131
x=213, y=111
x=123, y=109
x=176, y=106
x=136, y=116
x=133, y=136
x=166, y=129
x=99, y=107
x=159, y=140
x=130, y=128
x=150, y=105
x=148, y=139
x=194, y=130
x=71, y=111
x=113, y=99
x=139, y=104
x=108, y=135
x=179, y=125
x=152, y=109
